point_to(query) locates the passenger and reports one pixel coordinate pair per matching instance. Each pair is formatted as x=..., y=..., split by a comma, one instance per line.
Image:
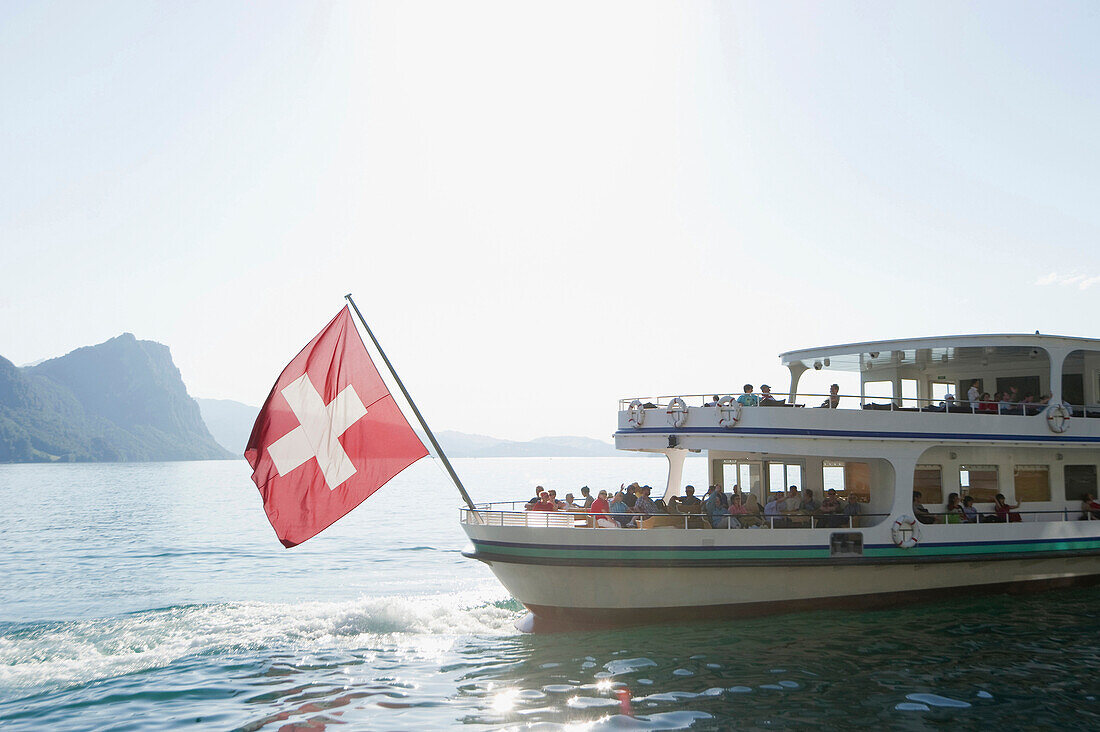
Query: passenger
x=766, y=397
x=953, y=511
x=559, y=504
x=808, y=504
x=645, y=506
x=620, y=512
x=1090, y=508
x=716, y=509
x=544, y=504
x=833, y=400
x=753, y=517
x=987, y=405
x=586, y=493
x=570, y=504
x=1004, y=404
x=773, y=513
x=791, y=507
x=921, y=513
x=686, y=503
x=600, y=510
x=831, y=508
x=713, y=401
x=1004, y=511
x=970, y=514
x=851, y=509
x=538, y=493
x=972, y=394
x=748, y=399
x=630, y=496
x=737, y=510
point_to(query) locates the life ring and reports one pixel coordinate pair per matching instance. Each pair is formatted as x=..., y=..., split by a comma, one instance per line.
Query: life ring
x=729, y=411
x=677, y=412
x=636, y=415
x=1058, y=418
x=906, y=532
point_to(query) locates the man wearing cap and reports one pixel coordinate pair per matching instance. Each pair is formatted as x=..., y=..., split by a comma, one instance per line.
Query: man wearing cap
x=645, y=505
x=766, y=398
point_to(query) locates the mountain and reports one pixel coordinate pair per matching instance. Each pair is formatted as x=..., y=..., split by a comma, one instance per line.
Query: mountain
x=121, y=400
x=229, y=422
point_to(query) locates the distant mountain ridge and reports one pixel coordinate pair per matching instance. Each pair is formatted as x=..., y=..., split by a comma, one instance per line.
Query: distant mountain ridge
x=120, y=400
x=231, y=423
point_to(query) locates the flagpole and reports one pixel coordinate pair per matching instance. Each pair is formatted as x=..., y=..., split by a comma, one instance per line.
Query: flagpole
x=419, y=416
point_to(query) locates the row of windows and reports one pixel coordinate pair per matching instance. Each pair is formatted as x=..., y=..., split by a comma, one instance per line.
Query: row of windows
x=982, y=482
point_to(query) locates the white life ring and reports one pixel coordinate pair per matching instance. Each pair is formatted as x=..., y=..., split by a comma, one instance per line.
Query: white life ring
x=729, y=411
x=677, y=412
x=636, y=416
x=906, y=532
x=1058, y=418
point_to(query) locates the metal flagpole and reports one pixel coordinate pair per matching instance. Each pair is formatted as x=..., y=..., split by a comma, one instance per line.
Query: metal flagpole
x=420, y=417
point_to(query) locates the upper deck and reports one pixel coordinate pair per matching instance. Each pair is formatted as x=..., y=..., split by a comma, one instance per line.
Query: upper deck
x=909, y=390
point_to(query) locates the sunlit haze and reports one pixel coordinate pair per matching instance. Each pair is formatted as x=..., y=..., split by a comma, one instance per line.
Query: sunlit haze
x=543, y=207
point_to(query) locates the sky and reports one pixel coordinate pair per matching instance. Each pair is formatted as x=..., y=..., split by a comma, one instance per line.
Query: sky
x=542, y=208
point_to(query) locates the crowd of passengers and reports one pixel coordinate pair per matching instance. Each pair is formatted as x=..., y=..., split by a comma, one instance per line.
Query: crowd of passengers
x=716, y=510
x=1009, y=401
x=736, y=510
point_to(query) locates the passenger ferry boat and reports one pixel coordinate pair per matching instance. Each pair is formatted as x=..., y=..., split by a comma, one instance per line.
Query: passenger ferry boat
x=878, y=449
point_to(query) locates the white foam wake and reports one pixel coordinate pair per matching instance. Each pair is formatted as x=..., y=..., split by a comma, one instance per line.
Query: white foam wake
x=77, y=652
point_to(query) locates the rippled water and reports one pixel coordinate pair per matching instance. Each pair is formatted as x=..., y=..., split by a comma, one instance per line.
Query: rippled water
x=155, y=596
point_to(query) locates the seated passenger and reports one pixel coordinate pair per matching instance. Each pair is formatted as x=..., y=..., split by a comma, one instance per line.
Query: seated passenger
x=833, y=400
x=808, y=504
x=753, y=518
x=969, y=513
x=558, y=504
x=1090, y=508
x=953, y=513
x=831, y=507
x=921, y=513
x=792, y=509
x=544, y=504
x=600, y=510
x=773, y=513
x=1004, y=403
x=538, y=493
x=766, y=398
x=716, y=508
x=737, y=510
x=586, y=494
x=620, y=511
x=1004, y=511
x=851, y=508
x=686, y=503
x=713, y=401
x=987, y=405
x=646, y=506
x=748, y=399
x=630, y=495
x=570, y=504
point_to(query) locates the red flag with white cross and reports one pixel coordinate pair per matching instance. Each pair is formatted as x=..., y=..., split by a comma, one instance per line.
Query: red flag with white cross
x=329, y=435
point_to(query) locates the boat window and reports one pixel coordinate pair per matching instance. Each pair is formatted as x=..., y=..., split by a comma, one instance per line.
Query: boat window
x=857, y=481
x=878, y=391
x=1073, y=388
x=979, y=482
x=747, y=475
x=928, y=479
x=1026, y=385
x=940, y=389
x=832, y=476
x=909, y=393
x=1032, y=482
x=1080, y=479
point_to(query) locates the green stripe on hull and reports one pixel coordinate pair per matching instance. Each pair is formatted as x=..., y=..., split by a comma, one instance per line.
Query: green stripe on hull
x=799, y=553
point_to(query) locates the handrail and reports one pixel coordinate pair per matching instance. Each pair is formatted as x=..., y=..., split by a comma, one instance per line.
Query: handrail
x=921, y=404
x=587, y=520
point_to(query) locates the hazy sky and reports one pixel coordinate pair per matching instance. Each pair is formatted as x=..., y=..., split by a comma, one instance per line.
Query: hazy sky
x=541, y=208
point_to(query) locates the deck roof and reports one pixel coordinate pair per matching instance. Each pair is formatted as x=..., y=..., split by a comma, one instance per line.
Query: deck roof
x=912, y=351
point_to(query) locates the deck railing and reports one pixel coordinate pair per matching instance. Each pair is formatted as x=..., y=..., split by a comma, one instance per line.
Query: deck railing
x=870, y=403
x=490, y=515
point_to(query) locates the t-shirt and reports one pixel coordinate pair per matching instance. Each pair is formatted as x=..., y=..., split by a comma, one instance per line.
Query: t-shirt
x=544, y=506
x=600, y=505
x=749, y=400
x=972, y=396
x=771, y=508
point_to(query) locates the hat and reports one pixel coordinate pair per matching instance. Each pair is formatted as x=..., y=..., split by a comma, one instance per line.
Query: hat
x=764, y=386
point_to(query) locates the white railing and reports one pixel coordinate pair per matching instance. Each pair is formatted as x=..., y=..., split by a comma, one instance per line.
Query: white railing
x=488, y=515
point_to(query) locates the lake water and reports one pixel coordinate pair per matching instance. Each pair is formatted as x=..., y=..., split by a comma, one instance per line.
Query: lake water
x=155, y=596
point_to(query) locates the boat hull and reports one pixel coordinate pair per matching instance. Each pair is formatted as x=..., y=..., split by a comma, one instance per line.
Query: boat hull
x=608, y=586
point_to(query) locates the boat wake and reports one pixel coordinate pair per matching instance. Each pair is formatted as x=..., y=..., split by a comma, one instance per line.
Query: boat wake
x=49, y=655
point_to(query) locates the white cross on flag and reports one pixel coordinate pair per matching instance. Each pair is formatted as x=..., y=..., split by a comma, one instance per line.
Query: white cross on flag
x=328, y=436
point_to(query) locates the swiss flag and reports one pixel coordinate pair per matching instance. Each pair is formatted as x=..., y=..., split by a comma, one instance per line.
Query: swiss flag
x=328, y=436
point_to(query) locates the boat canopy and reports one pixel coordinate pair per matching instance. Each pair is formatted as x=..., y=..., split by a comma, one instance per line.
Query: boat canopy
x=958, y=349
